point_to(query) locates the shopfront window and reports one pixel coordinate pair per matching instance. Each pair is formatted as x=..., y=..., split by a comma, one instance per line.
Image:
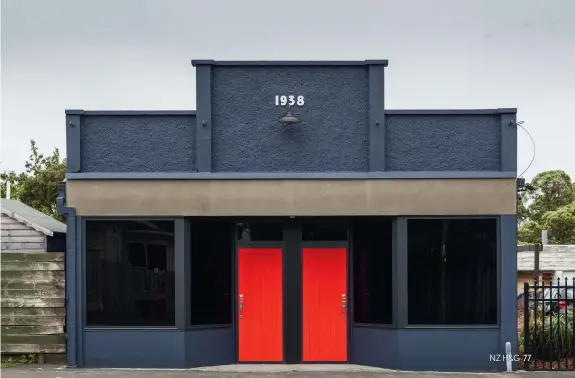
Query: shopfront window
x=130, y=273
x=319, y=231
x=372, y=268
x=452, y=272
x=247, y=232
x=211, y=280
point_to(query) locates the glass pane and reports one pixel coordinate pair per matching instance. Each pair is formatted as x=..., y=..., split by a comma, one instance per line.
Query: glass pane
x=211, y=259
x=130, y=273
x=312, y=231
x=452, y=272
x=372, y=271
x=260, y=231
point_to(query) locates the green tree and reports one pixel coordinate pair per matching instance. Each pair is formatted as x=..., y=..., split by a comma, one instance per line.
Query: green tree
x=554, y=189
x=522, y=208
x=38, y=185
x=530, y=233
x=551, y=207
x=15, y=180
x=560, y=225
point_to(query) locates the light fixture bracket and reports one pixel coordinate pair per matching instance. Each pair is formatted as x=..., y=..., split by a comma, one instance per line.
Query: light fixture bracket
x=289, y=118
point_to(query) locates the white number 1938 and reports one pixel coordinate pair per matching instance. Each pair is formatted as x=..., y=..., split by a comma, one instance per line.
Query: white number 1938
x=289, y=100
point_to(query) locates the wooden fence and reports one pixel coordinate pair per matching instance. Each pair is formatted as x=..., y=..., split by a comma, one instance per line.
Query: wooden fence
x=33, y=306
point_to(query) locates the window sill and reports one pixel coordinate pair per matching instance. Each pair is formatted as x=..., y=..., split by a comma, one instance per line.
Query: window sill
x=370, y=325
x=209, y=326
x=129, y=328
x=454, y=327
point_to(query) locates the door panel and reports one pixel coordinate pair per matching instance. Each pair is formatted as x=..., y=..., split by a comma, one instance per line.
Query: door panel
x=325, y=305
x=260, y=318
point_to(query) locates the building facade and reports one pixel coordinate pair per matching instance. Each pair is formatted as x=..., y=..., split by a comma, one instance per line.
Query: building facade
x=291, y=218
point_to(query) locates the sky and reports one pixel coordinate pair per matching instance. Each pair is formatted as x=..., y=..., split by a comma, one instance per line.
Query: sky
x=135, y=55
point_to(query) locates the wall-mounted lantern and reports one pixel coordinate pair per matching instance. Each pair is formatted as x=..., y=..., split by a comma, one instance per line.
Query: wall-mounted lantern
x=289, y=118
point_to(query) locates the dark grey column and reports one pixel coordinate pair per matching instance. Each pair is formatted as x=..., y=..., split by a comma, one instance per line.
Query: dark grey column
x=204, y=115
x=71, y=321
x=376, y=117
x=508, y=140
x=183, y=268
x=399, y=275
x=292, y=293
x=80, y=289
x=508, y=281
x=73, y=133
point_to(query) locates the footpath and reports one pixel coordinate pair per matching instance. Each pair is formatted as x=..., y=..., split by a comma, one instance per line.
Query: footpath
x=255, y=371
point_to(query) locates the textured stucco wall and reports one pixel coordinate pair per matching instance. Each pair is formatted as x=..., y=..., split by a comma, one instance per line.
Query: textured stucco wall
x=162, y=143
x=443, y=143
x=332, y=134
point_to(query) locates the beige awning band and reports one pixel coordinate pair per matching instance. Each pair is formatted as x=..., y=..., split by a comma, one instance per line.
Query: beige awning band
x=292, y=197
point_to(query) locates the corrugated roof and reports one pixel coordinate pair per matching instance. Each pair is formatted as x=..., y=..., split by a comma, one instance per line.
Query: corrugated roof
x=31, y=217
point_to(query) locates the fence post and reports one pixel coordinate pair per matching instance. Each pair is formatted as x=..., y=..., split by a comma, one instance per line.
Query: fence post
x=573, y=325
x=526, y=338
x=536, y=263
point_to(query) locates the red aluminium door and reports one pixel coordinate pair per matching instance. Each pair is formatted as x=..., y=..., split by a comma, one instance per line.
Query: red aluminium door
x=324, y=305
x=260, y=318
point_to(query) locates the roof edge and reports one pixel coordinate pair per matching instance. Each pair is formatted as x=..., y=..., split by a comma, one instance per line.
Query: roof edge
x=129, y=112
x=368, y=62
x=450, y=111
x=27, y=222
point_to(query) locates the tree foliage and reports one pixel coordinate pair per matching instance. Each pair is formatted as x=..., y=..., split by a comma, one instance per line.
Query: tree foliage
x=522, y=209
x=560, y=224
x=554, y=189
x=551, y=207
x=37, y=186
x=530, y=233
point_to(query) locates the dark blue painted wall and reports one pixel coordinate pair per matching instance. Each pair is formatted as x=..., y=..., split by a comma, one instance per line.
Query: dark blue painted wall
x=158, y=348
x=443, y=142
x=427, y=349
x=450, y=349
x=210, y=347
x=332, y=135
x=373, y=346
x=138, y=143
x=129, y=348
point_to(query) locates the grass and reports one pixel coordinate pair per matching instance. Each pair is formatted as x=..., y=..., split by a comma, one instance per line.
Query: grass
x=24, y=359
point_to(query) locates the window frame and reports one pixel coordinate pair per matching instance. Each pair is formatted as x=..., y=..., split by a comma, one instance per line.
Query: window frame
x=83, y=255
x=405, y=278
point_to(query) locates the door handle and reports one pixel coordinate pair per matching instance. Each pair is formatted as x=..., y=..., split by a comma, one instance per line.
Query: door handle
x=241, y=306
x=343, y=305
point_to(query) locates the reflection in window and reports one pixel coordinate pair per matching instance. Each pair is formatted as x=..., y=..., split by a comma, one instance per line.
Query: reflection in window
x=130, y=273
x=372, y=269
x=452, y=271
x=260, y=231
